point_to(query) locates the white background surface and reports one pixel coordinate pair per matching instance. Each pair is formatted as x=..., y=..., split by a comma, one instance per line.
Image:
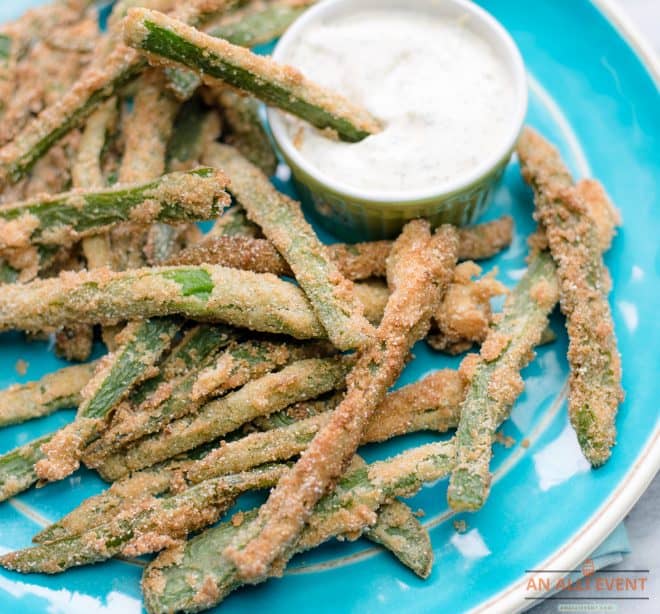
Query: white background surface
x=643, y=522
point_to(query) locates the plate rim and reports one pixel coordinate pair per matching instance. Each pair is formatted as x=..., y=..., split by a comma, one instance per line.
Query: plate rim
x=635, y=482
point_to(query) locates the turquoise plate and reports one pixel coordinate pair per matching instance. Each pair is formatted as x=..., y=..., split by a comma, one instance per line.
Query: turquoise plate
x=591, y=91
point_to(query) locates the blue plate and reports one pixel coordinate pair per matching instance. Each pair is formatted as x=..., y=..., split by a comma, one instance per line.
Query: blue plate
x=591, y=93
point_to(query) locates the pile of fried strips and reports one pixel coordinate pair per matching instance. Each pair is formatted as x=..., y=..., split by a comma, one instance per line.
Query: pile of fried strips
x=222, y=375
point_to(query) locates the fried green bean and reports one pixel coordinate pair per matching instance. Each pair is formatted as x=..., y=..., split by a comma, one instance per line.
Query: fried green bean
x=258, y=23
x=171, y=399
x=355, y=261
x=595, y=391
x=245, y=130
x=54, y=391
x=158, y=480
x=168, y=41
x=142, y=345
x=486, y=240
x=96, y=85
x=430, y=404
x=64, y=218
x=148, y=130
x=495, y=381
x=232, y=223
x=198, y=340
x=419, y=268
x=402, y=534
x=259, y=302
x=282, y=221
x=17, y=467
x=102, y=508
x=198, y=575
x=249, y=360
x=296, y=382
x=102, y=80
x=75, y=342
x=151, y=525
x=194, y=128
x=86, y=171
x=252, y=25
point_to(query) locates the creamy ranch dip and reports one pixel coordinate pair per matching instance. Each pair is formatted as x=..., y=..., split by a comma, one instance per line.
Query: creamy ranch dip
x=445, y=98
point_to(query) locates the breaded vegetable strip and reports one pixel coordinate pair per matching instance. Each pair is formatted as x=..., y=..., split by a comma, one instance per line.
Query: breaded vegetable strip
x=396, y=528
x=401, y=533
x=102, y=508
x=236, y=251
x=168, y=41
x=604, y=214
x=419, y=268
x=485, y=240
x=151, y=525
x=96, y=84
x=249, y=360
x=495, y=380
x=17, y=472
x=75, y=342
x=141, y=347
x=194, y=128
x=245, y=131
x=465, y=314
x=258, y=22
x=101, y=81
x=198, y=575
x=65, y=218
x=299, y=381
x=198, y=341
x=148, y=130
x=252, y=25
x=86, y=170
x=431, y=404
x=282, y=221
x=54, y=391
x=258, y=302
x=357, y=261
x=169, y=401
x=595, y=381
x=233, y=222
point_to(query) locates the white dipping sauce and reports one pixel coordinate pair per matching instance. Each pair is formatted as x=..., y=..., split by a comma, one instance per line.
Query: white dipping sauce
x=445, y=98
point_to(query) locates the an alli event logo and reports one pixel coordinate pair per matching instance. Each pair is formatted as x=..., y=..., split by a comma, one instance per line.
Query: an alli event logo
x=588, y=589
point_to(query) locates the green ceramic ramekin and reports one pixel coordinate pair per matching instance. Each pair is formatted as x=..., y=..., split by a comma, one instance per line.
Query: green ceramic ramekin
x=356, y=215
